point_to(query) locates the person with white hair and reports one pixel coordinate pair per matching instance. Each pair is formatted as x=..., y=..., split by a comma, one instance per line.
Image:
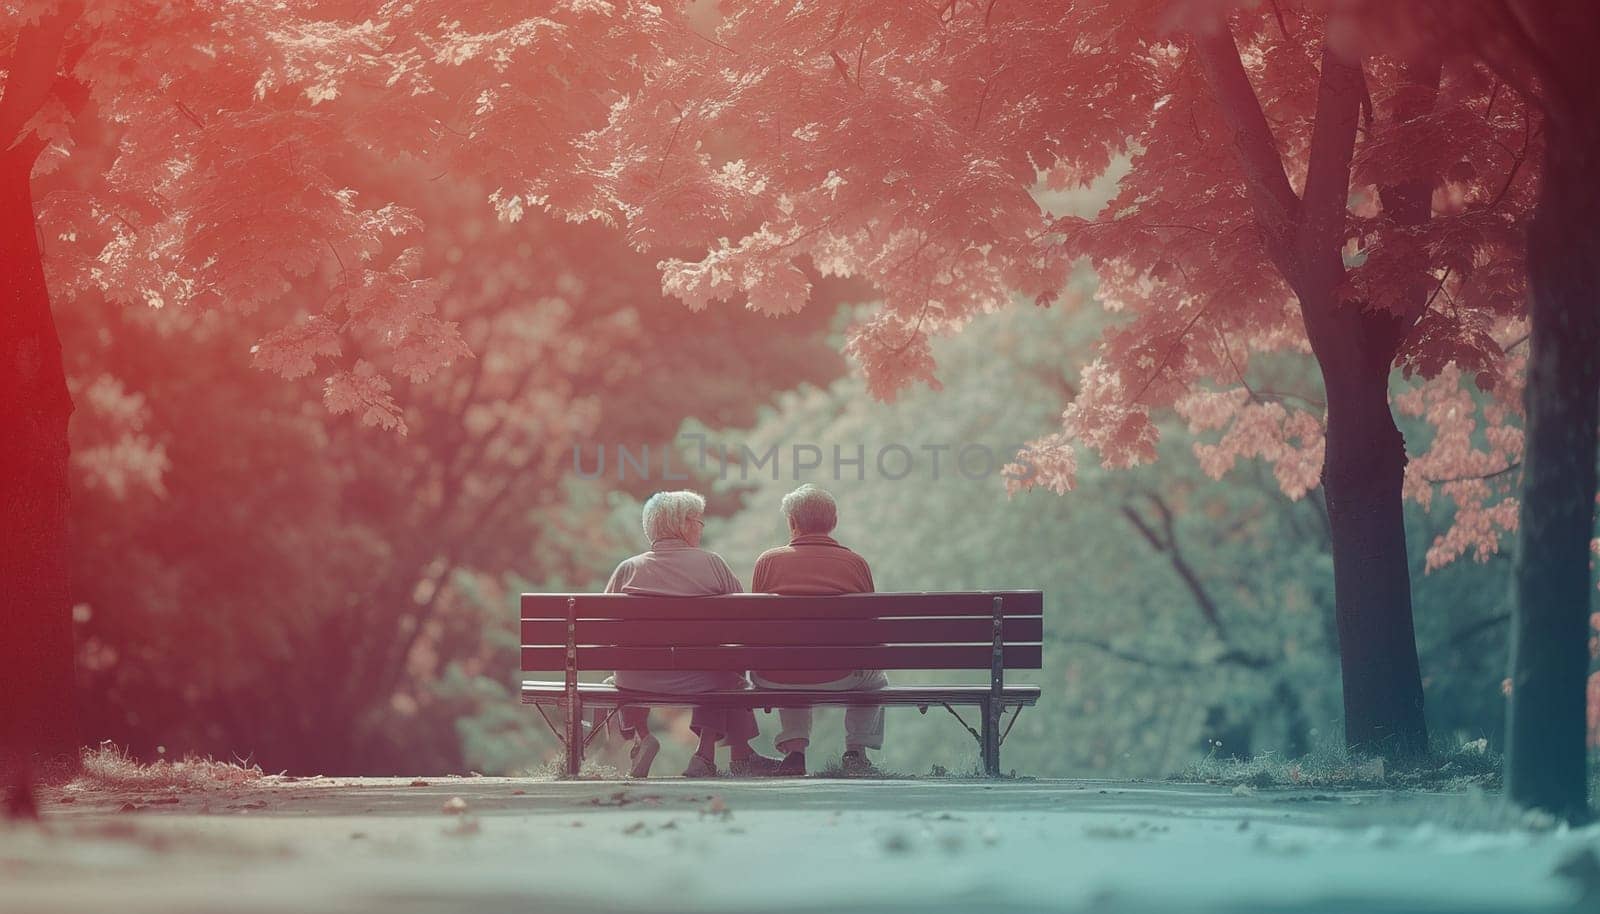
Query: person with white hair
x=676, y=566
x=815, y=564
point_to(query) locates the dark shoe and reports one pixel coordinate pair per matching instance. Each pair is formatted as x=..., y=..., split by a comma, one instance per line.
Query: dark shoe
x=792, y=766
x=855, y=764
x=754, y=765
x=700, y=768
x=642, y=755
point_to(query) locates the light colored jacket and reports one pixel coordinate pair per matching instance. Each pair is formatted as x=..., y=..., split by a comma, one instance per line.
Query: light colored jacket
x=673, y=568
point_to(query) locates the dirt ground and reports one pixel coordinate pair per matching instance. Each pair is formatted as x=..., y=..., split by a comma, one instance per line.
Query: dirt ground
x=815, y=845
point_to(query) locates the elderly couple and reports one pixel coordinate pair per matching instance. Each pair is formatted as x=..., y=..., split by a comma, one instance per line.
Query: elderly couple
x=813, y=564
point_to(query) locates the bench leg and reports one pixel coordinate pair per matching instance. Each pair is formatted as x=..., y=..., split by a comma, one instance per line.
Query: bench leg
x=990, y=740
x=575, y=737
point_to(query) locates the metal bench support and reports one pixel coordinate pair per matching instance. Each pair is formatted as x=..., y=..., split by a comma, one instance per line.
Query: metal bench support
x=574, y=739
x=993, y=708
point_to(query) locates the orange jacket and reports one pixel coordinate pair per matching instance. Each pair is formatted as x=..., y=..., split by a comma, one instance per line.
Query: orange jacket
x=813, y=564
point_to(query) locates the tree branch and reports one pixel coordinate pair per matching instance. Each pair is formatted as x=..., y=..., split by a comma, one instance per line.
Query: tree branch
x=1202, y=597
x=1178, y=665
x=1272, y=197
x=1333, y=142
x=1477, y=477
x=1145, y=530
x=1468, y=632
x=33, y=71
x=1410, y=202
x=1166, y=543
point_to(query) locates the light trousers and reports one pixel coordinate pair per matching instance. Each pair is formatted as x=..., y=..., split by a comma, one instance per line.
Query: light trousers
x=863, y=725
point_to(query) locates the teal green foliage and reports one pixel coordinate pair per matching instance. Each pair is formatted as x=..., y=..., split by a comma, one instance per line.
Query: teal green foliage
x=1138, y=680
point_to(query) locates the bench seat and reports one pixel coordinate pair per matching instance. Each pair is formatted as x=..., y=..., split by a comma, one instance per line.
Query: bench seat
x=603, y=695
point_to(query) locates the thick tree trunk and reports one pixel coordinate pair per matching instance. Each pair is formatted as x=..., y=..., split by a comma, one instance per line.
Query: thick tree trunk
x=1362, y=472
x=1365, y=456
x=1545, y=758
x=38, y=718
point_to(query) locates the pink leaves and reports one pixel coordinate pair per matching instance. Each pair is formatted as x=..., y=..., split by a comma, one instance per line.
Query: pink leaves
x=363, y=390
x=1105, y=416
x=1050, y=462
x=760, y=268
x=119, y=455
x=1291, y=440
x=292, y=352
x=893, y=354
x=1476, y=468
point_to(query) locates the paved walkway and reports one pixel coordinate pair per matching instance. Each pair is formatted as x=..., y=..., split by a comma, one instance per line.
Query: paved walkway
x=493, y=844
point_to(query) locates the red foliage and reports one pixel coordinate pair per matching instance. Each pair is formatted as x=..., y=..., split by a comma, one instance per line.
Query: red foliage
x=906, y=144
x=911, y=145
x=208, y=154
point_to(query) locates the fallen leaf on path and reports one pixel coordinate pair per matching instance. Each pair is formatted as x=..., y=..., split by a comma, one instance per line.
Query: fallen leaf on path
x=419, y=782
x=620, y=798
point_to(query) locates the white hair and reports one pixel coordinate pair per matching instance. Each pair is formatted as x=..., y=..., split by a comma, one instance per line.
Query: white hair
x=811, y=510
x=668, y=513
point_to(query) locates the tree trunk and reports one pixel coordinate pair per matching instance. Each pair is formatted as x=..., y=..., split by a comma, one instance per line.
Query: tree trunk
x=1365, y=455
x=38, y=720
x=1362, y=472
x=1551, y=588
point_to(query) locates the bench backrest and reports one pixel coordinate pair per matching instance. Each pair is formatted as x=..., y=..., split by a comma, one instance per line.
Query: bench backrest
x=884, y=631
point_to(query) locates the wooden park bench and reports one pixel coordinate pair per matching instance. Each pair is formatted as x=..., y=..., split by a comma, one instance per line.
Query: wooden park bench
x=579, y=633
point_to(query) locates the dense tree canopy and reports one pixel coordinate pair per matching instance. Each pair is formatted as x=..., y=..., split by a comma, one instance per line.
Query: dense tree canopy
x=1286, y=184
x=1284, y=193
x=1181, y=610
x=233, y=543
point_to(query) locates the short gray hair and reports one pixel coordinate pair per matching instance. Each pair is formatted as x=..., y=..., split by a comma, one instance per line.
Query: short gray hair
x=668, y=513
x=811, y=509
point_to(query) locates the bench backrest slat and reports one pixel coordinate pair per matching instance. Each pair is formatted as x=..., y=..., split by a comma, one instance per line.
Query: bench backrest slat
x=891, y=657
x=849, y=606
x=889, y=631
x=780, y=632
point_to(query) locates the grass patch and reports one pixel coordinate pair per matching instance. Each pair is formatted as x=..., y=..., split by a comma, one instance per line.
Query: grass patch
x=1470, y=765
x=556, y=770
x=110, y=767
x=835, y=771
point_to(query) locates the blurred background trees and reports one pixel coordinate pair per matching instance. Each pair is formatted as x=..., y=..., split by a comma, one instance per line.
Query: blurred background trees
x=1185, y=615
x=255, y=576
x=259, y=577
